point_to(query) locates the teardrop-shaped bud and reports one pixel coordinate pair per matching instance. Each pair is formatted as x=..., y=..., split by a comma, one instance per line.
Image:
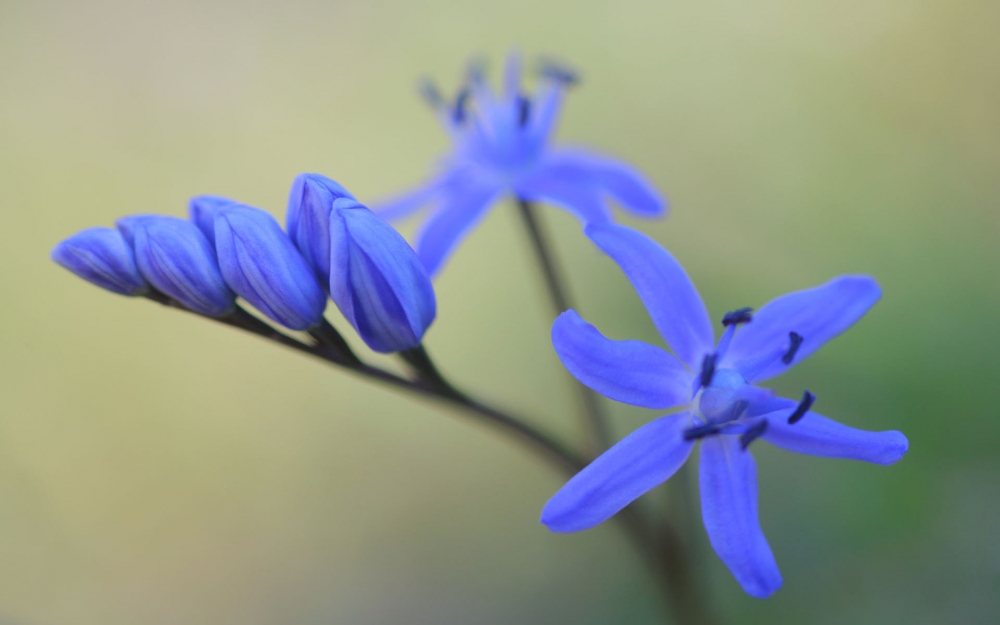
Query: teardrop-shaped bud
x=308, y=220
x=377, y=280
x=262, y=265
x=175, y=257
x=101, y=256
x=202, y=210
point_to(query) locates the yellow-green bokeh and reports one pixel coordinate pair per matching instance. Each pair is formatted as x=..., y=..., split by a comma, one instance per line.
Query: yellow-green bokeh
x=156, y=468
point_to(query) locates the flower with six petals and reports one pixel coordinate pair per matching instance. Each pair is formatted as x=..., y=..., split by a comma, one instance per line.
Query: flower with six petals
x=501, y=146
x=714, y=385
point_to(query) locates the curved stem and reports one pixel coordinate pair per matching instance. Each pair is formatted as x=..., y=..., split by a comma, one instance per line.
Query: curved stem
x=597, y=421
x=661, y=548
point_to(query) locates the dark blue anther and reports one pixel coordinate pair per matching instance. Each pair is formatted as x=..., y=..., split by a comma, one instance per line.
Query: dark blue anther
x=461, y=102
x=796, y=341
x=803, y=407
x=700, y=431
x=524, y=110
x=558, y=72
x=708, y=369
x=736, y=317
x=752, y=434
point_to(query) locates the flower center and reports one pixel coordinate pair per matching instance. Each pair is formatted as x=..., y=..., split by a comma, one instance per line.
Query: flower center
x=719, y=402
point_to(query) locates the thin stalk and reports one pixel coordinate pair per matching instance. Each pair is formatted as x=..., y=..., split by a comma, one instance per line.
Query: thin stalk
x=661, y=548
x=596, y=417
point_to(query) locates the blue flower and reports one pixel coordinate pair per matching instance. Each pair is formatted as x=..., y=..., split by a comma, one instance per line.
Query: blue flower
x=103, y=257
x=262, y=265
x=175, y=257
x=377, y=280
x=308, y=219
x=501, y=146
x=714, y=385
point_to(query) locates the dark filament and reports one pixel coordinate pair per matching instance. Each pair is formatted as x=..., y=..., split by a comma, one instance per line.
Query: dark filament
x=461, y=101
x=796, y=340
x=752, y=434
x=524, y=110
x=558, y=72
x=700, y=431
x=708, y=369
x=429, y=92
x=803, y=407
x=736, y=317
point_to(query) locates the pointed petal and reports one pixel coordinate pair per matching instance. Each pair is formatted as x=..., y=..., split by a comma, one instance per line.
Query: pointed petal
x=642, y=460
x=400, y=206
x=818, y=314
x=669, y=296
x=512, y=75
x=618, y=179
x=632, y=372
x=817, y=435
x=460, y=211
x=579, y=197
x=728, y=480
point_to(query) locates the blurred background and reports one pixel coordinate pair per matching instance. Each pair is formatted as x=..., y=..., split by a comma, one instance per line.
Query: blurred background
x=158, y=468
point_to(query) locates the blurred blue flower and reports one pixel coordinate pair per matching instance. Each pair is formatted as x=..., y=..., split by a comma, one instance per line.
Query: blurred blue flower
x=501, y=146
x=377, y=280
x=263, y=266
x=175, y=257
x=103, y=257
x=308, y=219
x=714, y=385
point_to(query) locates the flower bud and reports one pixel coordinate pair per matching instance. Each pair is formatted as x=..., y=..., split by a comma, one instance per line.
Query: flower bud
x=202, y=210
x=308, y=220
x=174, y=256
x=377, y=280
x=261, y=264
x=101, y=256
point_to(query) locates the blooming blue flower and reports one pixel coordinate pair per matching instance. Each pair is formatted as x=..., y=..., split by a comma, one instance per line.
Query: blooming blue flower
x=501, y=146
x=103, y=257
x=308, y=219
x=262, y=265
x=202, y=210
x=714, y=385
x=377, y=280
x=174, y=256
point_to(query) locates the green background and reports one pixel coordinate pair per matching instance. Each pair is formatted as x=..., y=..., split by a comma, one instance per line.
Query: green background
x=157, y=468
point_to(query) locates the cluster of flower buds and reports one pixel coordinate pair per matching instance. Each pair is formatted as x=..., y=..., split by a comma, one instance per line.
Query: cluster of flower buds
x=333, y=246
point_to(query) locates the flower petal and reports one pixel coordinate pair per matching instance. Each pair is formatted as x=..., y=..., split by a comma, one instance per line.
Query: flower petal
x=817, y=435
x=402, y=205
x=642, y=460
x=620, y=180
x=728, y=480
x=580, y=197
x=670, y=297
x=632, y=372
x=817, y=314
x=460, y=211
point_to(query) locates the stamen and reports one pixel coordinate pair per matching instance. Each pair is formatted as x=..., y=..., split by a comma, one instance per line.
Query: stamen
x=796, y=341
x=736, y=317
x=752, y=434
x=700, y=431
x=461, y=102
x=430, y=93
x=524, y=110
x=558, y=72
x=803, y=407
x=708, y=369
